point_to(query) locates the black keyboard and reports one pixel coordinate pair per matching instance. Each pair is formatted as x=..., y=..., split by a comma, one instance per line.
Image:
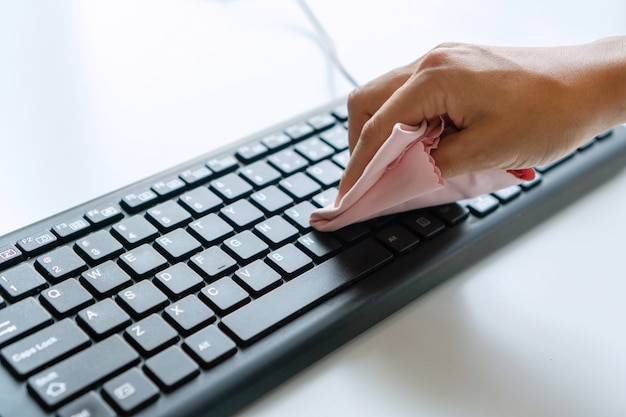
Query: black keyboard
x=197, y=290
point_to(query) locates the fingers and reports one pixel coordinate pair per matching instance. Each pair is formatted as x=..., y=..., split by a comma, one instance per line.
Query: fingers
x=363, y=103
x=414, y=101
x=367, y=99
x=457, y=153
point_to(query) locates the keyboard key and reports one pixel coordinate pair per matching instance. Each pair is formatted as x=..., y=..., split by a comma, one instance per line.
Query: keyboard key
x=60, y=263
x=71, y=229
x=341, y=112
x=21, y=319
x=21, y=281
x=326, y=197
x=246, y=246
x=189, y=314
x=200, y=201
x=99, y=246
x=224, y=295
x=213, y=263
x=142, y=261
x=314, y=149
x=42, y=348
x=105, y=279
x=337, y=137
x=178, y=280
x=66, y=298
x=105, y=214
x=508, y=194
x=210, y=229
x=196, y=174
x=77, y=374
x=258, y=277
x=299, y=186
x=242, y=213
x=209, y=346
x=37, y=242
x=299, y=131
x=352, y=232
x=483, y=205
x=168, y=187
x=151, y=334
x=130, y=391
x=326, y=173
x=287, y=161
x=271, y=199
x=134, y=231
x=138, y=200
x=276, y=140
x=398, y=239
x=171, y=368
x=251, y=152
x=276, y=230
x=300, y=214
x=264, y=314
x=321, y=121
x=231, y=187
x=9, y=255
x=289, y=260
x=177, y=244
x=379, y=222
x=604, y=135
x=451, y=213
x=342, y=159
x=424, y=224
x=167, y=216
x=89, y=405
x=103, y=319
x=223, y=164
x=319, y=245
x=142, y=299
x=260, y=174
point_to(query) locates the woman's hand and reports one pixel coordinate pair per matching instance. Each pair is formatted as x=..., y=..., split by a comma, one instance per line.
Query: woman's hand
x=507, y=107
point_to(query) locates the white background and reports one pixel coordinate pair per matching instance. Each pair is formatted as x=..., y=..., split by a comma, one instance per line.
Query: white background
x=97, y=94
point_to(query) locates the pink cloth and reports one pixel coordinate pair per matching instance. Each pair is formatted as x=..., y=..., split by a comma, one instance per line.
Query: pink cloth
x=403, y=176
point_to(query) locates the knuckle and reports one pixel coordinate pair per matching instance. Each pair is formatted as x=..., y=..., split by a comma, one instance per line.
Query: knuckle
x=371, y=133
x=436, y=58
x=355, y=97
x=443, y=54
x=450, y=45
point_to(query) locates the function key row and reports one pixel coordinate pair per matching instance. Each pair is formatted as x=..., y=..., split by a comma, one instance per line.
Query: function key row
x=333, y=136
x=46, y=239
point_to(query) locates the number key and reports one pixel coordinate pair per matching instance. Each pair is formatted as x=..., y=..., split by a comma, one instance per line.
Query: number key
x=168, y=215
x=98, y=247
x=21, y=281
x=60, y=263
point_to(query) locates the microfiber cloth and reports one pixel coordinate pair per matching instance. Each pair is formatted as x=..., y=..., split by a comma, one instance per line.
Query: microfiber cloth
x=403, y=176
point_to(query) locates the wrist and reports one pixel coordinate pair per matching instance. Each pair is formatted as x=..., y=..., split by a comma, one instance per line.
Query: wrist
x=607, y=83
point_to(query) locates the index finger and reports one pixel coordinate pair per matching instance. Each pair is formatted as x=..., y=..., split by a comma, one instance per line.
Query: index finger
x=368, y=98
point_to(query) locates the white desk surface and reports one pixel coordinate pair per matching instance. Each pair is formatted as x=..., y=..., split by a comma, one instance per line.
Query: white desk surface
x=95, y=95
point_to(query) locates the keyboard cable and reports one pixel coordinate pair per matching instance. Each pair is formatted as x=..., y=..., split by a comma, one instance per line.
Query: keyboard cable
x=327, y=42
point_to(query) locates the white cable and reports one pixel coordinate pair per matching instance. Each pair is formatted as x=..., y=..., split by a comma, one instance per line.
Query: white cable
x=327, y=41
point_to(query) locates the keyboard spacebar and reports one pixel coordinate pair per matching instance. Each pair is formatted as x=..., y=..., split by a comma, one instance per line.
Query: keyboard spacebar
x=263, y=315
